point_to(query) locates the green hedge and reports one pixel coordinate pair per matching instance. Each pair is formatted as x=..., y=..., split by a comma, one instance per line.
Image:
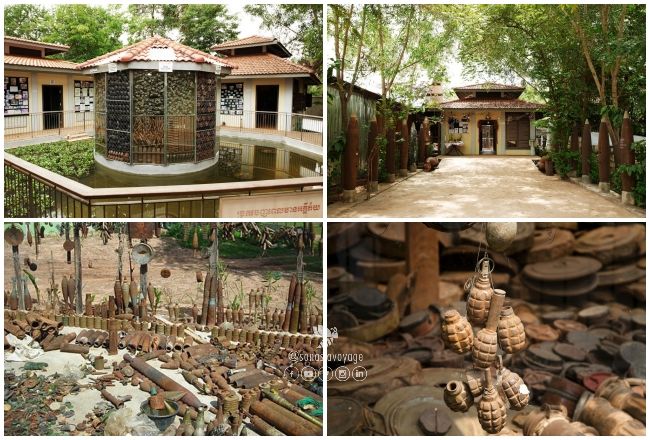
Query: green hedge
x=70, y=159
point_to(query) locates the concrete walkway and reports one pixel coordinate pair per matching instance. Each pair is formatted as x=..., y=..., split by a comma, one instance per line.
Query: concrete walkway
x=481, y=187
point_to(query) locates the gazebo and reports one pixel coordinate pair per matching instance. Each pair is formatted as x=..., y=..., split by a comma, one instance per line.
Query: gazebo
x=155, y=107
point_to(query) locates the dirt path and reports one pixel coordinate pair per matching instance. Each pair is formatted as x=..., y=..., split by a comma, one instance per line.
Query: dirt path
x=466, y=187
x=181, y=287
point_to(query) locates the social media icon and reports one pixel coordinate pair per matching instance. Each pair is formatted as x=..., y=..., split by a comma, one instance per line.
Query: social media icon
x=342, y=373
x=359, y=373
x=309, y=373
x=330, y=373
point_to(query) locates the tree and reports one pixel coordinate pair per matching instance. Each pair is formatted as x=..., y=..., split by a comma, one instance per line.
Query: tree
x=147, y=20
x=297, y=26
x=90, y=31
x=535, y=44
x=607, y=38
x=202, y=26
x=25, y=21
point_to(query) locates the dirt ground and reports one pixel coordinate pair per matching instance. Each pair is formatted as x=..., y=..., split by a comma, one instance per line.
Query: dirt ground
x=181, y=287
x=487, y=187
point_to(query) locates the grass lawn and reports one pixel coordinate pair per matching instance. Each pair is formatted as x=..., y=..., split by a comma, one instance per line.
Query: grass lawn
x=69, y=159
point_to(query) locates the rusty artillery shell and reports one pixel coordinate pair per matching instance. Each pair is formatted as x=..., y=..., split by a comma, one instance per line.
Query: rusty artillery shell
x=458, y=396
x=112, y=337
x=621, y=395
x=97, y=322
x=283, y=419
x=64, y=289
x=71, y=348
x=478, y=301
x=212, y=302
x=607, y=420
x=126, y=297
x=117, y=292
x=117, y=403
x=151, y=295
x=89, y=305
x=163, y=381
x=264, y=428
x=510, y=331
x=111, y=306
x=514, y=389
x=457, y=332
x=484, y=349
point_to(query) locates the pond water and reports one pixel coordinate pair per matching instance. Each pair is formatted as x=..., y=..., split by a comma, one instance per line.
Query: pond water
x=238, y=162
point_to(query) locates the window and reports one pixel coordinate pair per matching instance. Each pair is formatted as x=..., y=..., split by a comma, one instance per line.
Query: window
x=517, y=130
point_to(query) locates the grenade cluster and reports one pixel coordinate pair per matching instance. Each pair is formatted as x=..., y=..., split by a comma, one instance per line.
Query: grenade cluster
x=502, y=330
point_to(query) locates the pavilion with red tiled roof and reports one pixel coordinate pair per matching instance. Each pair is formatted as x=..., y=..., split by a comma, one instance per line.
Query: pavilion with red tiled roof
x=263, y=80
x=488, y=118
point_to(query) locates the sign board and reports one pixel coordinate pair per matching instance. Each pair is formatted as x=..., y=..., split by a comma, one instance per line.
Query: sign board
x=166, y=66
x=141, y=230
x=306, y=204
x=112, y=67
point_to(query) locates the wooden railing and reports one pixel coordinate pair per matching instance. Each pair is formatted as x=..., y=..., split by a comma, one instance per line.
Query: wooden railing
x=34, y=192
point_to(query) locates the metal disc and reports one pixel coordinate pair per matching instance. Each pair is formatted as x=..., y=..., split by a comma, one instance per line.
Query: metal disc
x=389, y=239
x=142, y=253
x=14, y=235
x=562, y=269
x=620, y=275
x=610, y=243
x=342, y=236
x=344, y=416
x=570, y=352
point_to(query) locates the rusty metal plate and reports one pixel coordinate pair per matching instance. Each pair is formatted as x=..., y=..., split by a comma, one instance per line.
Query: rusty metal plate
x=619, y=275
x=611, y=243
x=68, y=245
x=569, y=325
x=449, y=226
x=342, y=236
x=541, y=356
x=142, y=253
x=570, y=352
x=550, y=317
x=593, y=314
x=586, y=340
x=542, y=332
x=14, y=235
x=550, y=244
x=401, y=410
x=345, y=416
x=141, y=230
x=562, y=269
x=389, y=239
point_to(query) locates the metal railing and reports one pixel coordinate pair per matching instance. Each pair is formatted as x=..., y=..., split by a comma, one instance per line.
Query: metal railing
x=305, y=128
x=34, y=192
x=43, y=124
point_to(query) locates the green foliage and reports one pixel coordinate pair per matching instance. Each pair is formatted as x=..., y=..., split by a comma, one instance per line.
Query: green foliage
x=563, y=161
x=25, y=21
x=147, y=20
x=203, y=25
x=298, y=26
x=637, y=171
x=594, y=177
x=70, y=159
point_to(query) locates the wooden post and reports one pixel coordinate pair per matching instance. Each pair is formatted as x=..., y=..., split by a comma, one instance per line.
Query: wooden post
x=404, y=150
x=585, y=151
x=422, y=145
x=390, y=150
x=627, y=158
x=603, y=156
x=422, y=260
x=350, y=159
x=18, y=276
x=77, y=268
x=575, y=146
x=372, y=157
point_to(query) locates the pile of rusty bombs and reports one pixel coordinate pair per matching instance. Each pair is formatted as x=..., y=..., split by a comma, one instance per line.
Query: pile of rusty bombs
x=489, y=381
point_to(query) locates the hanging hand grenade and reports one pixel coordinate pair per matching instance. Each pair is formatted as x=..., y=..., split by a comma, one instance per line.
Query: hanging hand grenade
x=515, y=389
x=484, y=349
x=478, y=301
x=475, y=381
x=491, y=411
x=512, y=336
x=457, y=396
x=457, y=332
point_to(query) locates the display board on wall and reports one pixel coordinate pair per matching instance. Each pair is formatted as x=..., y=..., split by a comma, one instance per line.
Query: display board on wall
x=232, y=99
x=84, y=96
x=16, y=95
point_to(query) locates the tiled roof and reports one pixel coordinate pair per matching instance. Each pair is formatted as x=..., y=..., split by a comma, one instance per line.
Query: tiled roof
x=248, y=41
x=38, y=43
x=489, y=86
x=489, y=104
x=155, y=48
x=38, y=62
x=265, y=64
